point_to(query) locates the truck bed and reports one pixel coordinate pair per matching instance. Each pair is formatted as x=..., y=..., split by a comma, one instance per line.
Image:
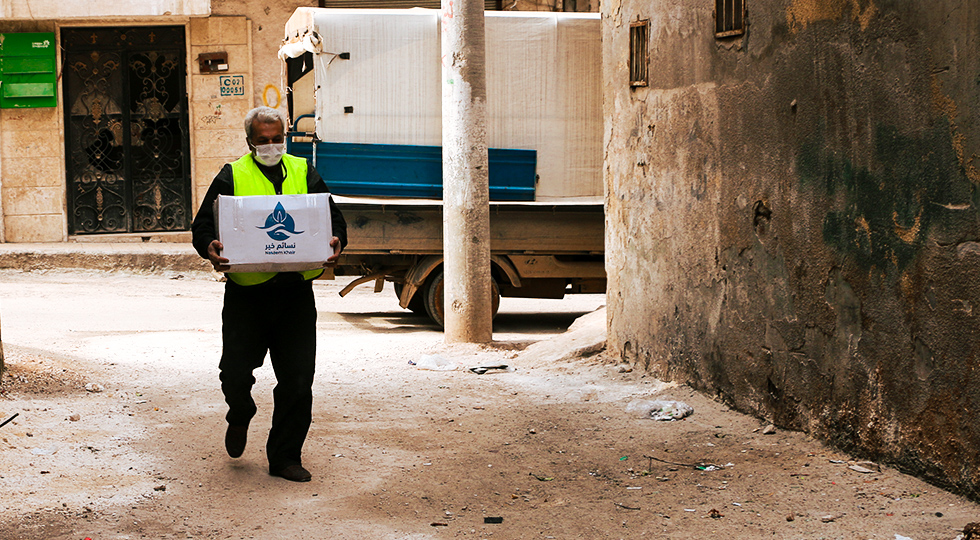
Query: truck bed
x=414, y=226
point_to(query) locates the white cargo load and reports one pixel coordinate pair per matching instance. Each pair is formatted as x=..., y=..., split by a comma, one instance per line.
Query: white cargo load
x=543, y=92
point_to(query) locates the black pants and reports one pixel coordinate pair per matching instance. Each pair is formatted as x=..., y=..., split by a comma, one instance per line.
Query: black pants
x=279, y=318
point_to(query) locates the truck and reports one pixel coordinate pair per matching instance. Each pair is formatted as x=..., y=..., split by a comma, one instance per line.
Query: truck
x=363, y=90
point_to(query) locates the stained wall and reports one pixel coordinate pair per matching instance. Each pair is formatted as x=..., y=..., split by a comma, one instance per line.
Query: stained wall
x=792, y=221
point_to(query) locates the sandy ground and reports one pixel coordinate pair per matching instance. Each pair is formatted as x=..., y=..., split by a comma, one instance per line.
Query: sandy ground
x=550, y=450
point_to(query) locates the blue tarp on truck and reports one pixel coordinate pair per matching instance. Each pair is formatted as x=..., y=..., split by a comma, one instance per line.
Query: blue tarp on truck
x=399, y=170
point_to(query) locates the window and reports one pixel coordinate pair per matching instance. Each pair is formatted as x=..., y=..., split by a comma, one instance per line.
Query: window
x=729, y=18
x=638, y=53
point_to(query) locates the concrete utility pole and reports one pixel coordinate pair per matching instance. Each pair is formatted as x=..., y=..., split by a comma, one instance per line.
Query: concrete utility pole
x=466, y=185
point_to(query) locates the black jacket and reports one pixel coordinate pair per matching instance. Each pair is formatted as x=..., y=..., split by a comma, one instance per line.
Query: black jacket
x=204, y=229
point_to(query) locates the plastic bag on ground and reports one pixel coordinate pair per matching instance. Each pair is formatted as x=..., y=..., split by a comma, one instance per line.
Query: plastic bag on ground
x=434, y=362
x=660, y=409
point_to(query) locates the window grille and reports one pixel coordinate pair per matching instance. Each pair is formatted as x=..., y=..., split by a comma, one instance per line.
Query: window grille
x=729, y=18
x=638, y=53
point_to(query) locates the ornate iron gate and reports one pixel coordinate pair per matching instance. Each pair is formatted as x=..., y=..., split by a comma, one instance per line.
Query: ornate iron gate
x=126, y=129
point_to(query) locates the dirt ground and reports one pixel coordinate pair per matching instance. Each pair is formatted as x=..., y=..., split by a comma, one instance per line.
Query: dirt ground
x=550, y=450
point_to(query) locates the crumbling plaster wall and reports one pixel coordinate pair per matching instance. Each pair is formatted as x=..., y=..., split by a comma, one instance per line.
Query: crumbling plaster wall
x=792, y=219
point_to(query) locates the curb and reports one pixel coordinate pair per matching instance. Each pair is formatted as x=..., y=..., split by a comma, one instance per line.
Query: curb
x=156, y=257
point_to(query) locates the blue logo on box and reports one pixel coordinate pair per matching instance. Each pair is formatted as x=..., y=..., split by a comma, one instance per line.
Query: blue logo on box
x=279, y=225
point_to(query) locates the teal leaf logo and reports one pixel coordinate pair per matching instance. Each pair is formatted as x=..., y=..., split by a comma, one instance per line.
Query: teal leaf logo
x=279, y=225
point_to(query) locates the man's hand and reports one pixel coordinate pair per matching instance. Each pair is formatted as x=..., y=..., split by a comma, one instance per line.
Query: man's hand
x=219, y=263
x=332, y=260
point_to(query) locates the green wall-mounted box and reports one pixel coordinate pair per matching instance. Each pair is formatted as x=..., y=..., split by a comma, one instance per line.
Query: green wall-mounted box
x=28, y=70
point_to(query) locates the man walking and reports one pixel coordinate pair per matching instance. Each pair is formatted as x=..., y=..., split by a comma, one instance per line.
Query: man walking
x=267, y=311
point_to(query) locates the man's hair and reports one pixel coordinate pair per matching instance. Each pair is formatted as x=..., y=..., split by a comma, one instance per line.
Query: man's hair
x=263, y=115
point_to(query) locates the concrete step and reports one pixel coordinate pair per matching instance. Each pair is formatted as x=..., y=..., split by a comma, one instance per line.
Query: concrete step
x=114, y=256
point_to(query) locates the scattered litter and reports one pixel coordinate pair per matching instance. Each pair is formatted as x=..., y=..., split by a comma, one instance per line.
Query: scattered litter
x=439, y=524
x=829, y=518
x=75, y=417
x=900, y=537
x=45, y=451
x=869, y=465
x=480, y=370
x=635, y=487
x=7, y=421
x=624, y=368
x=660, y=409
x=434, y=362
x=860, y=469
x=769, y=430
x=698, y=466
x=493, y=519
x=715, y=514
x=690, y=510
x=94, y=387
x=790, y=517
x=541, y=478
x=837, y=461
x=624, y=458
x=736, y=504
x=160, y=488
x=624, y=507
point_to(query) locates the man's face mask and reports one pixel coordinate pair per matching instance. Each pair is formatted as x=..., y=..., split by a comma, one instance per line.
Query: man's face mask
x=270, y=154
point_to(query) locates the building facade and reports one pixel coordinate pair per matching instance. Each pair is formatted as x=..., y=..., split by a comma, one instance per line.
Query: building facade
x=142, y=105
x=792, y=216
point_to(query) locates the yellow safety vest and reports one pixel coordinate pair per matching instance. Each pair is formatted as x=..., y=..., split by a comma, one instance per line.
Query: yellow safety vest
x=249, y=180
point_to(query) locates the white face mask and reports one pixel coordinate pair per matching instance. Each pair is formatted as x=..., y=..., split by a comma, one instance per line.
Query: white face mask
x=270, y=154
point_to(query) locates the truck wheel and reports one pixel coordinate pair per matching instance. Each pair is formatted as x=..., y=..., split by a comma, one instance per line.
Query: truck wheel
x=417, y=303
x=434, y=294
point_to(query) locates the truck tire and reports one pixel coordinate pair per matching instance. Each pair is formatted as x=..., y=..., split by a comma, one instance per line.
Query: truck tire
x=434, y=291
x=417, y=303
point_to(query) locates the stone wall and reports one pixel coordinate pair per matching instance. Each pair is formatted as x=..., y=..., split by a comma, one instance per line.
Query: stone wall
x=792, y=219
x=219, y=135
x=32, y=177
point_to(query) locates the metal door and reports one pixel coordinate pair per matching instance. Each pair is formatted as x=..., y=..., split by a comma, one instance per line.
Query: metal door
x=126, y=129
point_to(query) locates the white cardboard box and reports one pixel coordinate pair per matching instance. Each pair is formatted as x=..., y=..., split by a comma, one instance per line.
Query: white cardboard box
x=274, y=233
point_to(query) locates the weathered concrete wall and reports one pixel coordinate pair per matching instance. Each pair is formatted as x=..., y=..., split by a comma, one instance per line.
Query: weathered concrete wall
x=580, y=6
x=219, y=136
x=792, y=220
x=128, y=9
x=268, y=23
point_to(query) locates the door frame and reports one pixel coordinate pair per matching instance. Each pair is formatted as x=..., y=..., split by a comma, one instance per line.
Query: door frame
x=185, y=22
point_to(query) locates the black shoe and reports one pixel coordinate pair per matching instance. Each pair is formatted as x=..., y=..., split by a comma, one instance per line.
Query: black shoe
x=294, y=473
x=235, y=439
